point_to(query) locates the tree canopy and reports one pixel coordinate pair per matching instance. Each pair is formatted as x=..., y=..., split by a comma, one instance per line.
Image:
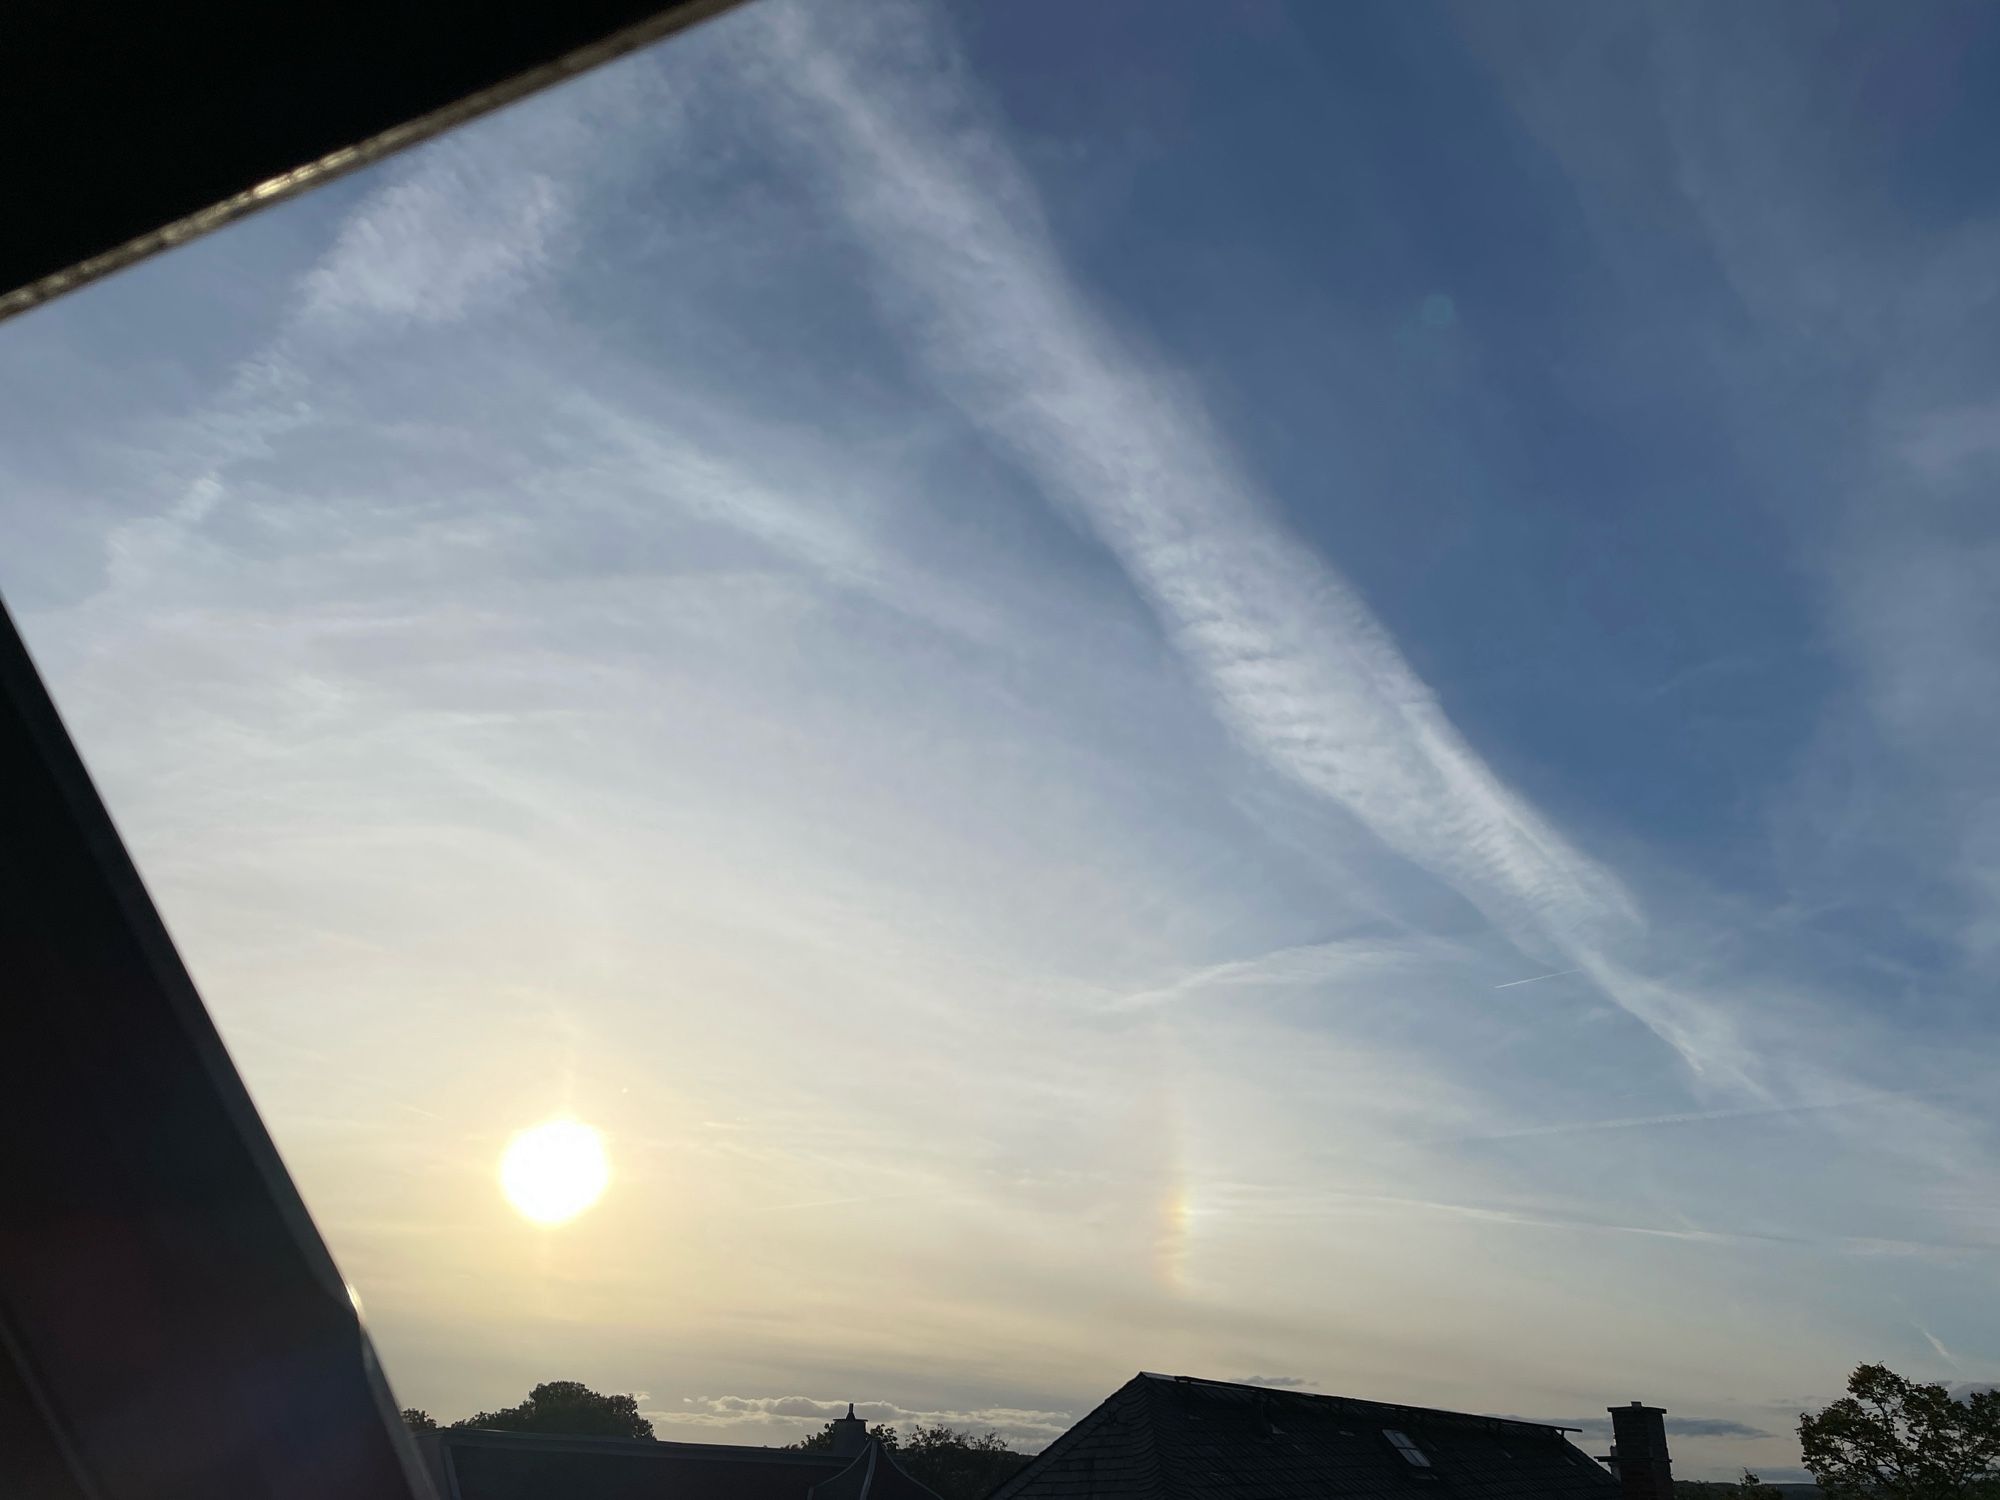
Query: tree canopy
x=1892, y=1438
x=958, y=1465
x=566, y=1406
x=823, y=1440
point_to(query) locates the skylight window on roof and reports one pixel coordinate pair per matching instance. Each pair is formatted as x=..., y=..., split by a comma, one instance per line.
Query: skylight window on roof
x=1402, y=1443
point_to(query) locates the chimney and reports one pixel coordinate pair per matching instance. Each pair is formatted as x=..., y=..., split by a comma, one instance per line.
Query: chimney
x=850, y=1434
x=1639, y=1452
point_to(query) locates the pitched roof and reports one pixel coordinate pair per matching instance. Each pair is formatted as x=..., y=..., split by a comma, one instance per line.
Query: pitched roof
x=875, y=1475
x=1173, y=1437
x=477, y=1464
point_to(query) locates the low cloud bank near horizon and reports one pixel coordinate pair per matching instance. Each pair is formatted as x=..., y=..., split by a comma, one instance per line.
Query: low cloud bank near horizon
x=1036, y=1428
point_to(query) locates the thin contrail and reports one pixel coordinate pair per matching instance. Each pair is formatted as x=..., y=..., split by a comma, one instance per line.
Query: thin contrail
x=1699, y=1116
x=1536, y=978
x=1938, y=1344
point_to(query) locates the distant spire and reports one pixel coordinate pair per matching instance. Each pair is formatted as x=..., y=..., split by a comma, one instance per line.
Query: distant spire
x=850, y=1433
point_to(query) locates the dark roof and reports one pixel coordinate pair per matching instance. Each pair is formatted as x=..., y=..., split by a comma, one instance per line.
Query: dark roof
x=476, y=1464
x=875, y=1475
x=1173, y=1437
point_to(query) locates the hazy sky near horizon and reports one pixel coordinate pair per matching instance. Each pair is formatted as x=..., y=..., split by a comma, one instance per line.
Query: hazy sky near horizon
x=1300, y=692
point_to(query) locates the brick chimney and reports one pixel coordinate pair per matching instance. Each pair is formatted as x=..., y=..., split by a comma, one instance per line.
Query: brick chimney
x=1639, y=1452
x=850, y=1435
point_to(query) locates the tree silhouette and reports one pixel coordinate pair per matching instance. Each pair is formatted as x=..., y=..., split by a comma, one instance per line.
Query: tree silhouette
x=419, y=1420
x=1891, y=1438
x=823, y=1441
x=958, y=1465
x=568, y=1406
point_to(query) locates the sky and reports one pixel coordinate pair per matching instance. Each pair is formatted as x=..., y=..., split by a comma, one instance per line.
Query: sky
x=1298, y=693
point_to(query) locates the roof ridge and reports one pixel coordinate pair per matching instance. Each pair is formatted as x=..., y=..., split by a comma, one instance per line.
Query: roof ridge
x=590, y=1441
x=872, y=1472
x=889, y=1458
x=1285, y=1393
x=838, y=1482
x=1162, y=1437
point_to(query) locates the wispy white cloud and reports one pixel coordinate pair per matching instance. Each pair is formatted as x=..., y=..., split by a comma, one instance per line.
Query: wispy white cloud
x=1280, y=1202
x=447, y=240
x=1298, y=665
x=749, y=758
x=1941, y=444
x=1691, y=1117
x=1767, y=156
x=471, y=225
x=1312, y=964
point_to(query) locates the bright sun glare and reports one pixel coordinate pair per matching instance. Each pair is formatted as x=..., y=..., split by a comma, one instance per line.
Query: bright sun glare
x=554, y=1171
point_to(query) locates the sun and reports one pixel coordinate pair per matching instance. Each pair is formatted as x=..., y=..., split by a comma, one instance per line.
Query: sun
x=554, y=1171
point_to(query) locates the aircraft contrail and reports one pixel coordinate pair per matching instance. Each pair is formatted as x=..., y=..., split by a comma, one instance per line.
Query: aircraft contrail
x=1536, y=978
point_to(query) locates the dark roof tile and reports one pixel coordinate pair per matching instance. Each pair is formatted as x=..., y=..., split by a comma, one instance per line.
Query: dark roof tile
x=875, y=1475
x=1175, y=1438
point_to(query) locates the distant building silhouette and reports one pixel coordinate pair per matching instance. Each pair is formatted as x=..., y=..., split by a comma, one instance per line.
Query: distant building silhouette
x=1638, y=1453
x=1173, y=1437
x=1158, y=1437
x=850, y=1433
x=476, y=1464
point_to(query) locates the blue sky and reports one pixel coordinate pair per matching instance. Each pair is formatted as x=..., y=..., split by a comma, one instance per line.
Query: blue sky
x=1264, y=690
